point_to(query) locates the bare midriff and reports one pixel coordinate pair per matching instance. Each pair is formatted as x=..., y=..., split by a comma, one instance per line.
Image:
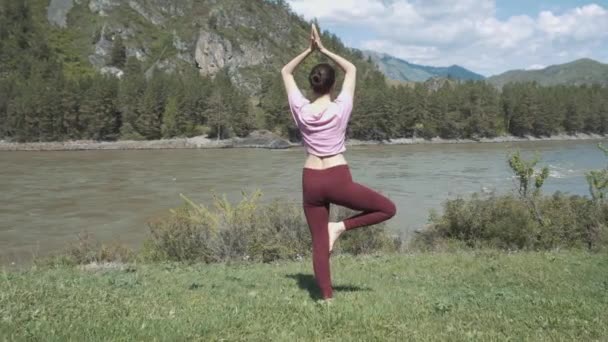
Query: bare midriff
x=322, y=163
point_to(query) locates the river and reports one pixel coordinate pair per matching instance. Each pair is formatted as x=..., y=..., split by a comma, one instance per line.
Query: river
x=47, y=198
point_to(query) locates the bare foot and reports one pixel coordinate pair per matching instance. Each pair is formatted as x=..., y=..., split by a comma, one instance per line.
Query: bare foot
x=325, y=301
x=335, y=230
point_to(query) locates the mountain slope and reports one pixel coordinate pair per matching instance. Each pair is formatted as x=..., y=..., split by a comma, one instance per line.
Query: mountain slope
x=400, y=70
x=249, y=38
x=582, y=71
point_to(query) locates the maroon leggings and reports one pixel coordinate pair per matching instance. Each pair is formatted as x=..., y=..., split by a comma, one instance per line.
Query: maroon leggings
x=335, y=185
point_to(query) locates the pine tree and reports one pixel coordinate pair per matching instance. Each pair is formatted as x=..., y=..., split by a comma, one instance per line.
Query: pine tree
x=195, y=92
x=98, y=114
x=151, y=107
x=593, y=119
x=217, y=113
x=50, y=119
x=118, y=55
x=241, y=121
x=5, y=96
x=404, y=116
x=132, y=88
x=423, y=127
x=169, y=128
x=274, y=104
x=220, y=107
x=70, y=105
x=603, y=112
x=24, y=109
x=573, y=121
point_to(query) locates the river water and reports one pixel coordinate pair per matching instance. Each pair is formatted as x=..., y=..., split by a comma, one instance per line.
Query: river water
x=47, y=198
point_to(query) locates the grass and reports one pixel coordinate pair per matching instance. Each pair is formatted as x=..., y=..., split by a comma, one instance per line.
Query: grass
x=480, y=295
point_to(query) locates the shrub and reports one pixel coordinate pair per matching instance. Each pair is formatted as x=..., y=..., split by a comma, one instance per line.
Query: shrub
x=505, y=222
x=127, y=132
x=87, y=249
x=249, y=230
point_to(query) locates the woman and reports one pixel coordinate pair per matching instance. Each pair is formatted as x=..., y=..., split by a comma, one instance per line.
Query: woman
x=326, y=177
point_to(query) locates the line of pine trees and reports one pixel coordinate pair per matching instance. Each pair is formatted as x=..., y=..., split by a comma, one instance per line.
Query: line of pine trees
x=39, y=103
x=49, y=107
x=474, y=110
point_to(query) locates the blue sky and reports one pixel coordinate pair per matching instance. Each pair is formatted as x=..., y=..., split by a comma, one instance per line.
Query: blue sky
x=486, y=36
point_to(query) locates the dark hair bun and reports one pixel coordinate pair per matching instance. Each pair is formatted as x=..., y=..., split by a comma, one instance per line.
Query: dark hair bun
x=322, y=78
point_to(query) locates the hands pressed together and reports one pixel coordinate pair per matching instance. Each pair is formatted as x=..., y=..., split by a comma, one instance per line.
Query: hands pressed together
x=316, y=44
x=315, y=40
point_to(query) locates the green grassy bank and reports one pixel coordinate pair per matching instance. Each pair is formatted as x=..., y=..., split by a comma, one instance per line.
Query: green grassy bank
x=467, y=295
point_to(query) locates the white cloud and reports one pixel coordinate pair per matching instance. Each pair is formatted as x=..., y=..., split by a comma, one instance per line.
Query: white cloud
x=536, y=67
x=338, y=11
x=581, y=23
x=466, y=32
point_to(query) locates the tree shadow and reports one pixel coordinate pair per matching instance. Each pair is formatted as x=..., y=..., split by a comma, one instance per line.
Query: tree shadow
x=307, y=282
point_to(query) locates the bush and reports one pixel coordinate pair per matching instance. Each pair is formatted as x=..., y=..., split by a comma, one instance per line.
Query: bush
x=248, y=230
x=87, y=249
x=506, y=222
x=127, y=132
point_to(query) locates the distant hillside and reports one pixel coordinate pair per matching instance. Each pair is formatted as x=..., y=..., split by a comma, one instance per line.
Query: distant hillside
x=582, y=71
x=400, y=70
x=249, y=38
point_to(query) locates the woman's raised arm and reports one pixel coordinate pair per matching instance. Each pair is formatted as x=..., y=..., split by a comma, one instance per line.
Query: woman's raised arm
x=287, y=71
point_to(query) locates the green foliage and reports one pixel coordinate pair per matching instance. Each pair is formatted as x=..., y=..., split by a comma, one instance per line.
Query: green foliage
x=87, y=249
x=598, y=180
x=526, y=173
x=151, y=107
x=598, y=188
x=98, y=114
x=529, y=221
x=127, y=132
x=53, y=92
x=169, y=126
x=506, y=222
x=598, y=184
x=118, y=55
x=248, y=230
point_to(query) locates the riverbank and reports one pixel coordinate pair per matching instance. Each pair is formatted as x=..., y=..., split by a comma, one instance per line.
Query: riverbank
x=257, y=139
x=458, y=296
x=500, y=139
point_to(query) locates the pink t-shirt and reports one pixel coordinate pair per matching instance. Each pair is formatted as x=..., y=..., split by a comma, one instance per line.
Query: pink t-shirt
x=323, y=132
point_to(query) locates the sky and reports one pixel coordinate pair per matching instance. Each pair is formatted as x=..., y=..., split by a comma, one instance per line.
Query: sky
x=486, y=36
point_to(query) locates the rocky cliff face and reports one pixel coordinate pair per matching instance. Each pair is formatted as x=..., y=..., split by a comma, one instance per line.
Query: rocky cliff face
x=184, y=34
x=57, y=12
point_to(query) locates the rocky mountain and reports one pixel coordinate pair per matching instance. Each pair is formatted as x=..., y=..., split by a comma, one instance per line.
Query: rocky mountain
x=582, y=71
x=400, y=70
x=246, y=37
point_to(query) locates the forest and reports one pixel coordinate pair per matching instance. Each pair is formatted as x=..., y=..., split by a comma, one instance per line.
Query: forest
x=40, y=102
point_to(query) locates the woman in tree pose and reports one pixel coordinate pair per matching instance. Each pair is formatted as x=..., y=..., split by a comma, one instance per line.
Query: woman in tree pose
x=326, y=177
